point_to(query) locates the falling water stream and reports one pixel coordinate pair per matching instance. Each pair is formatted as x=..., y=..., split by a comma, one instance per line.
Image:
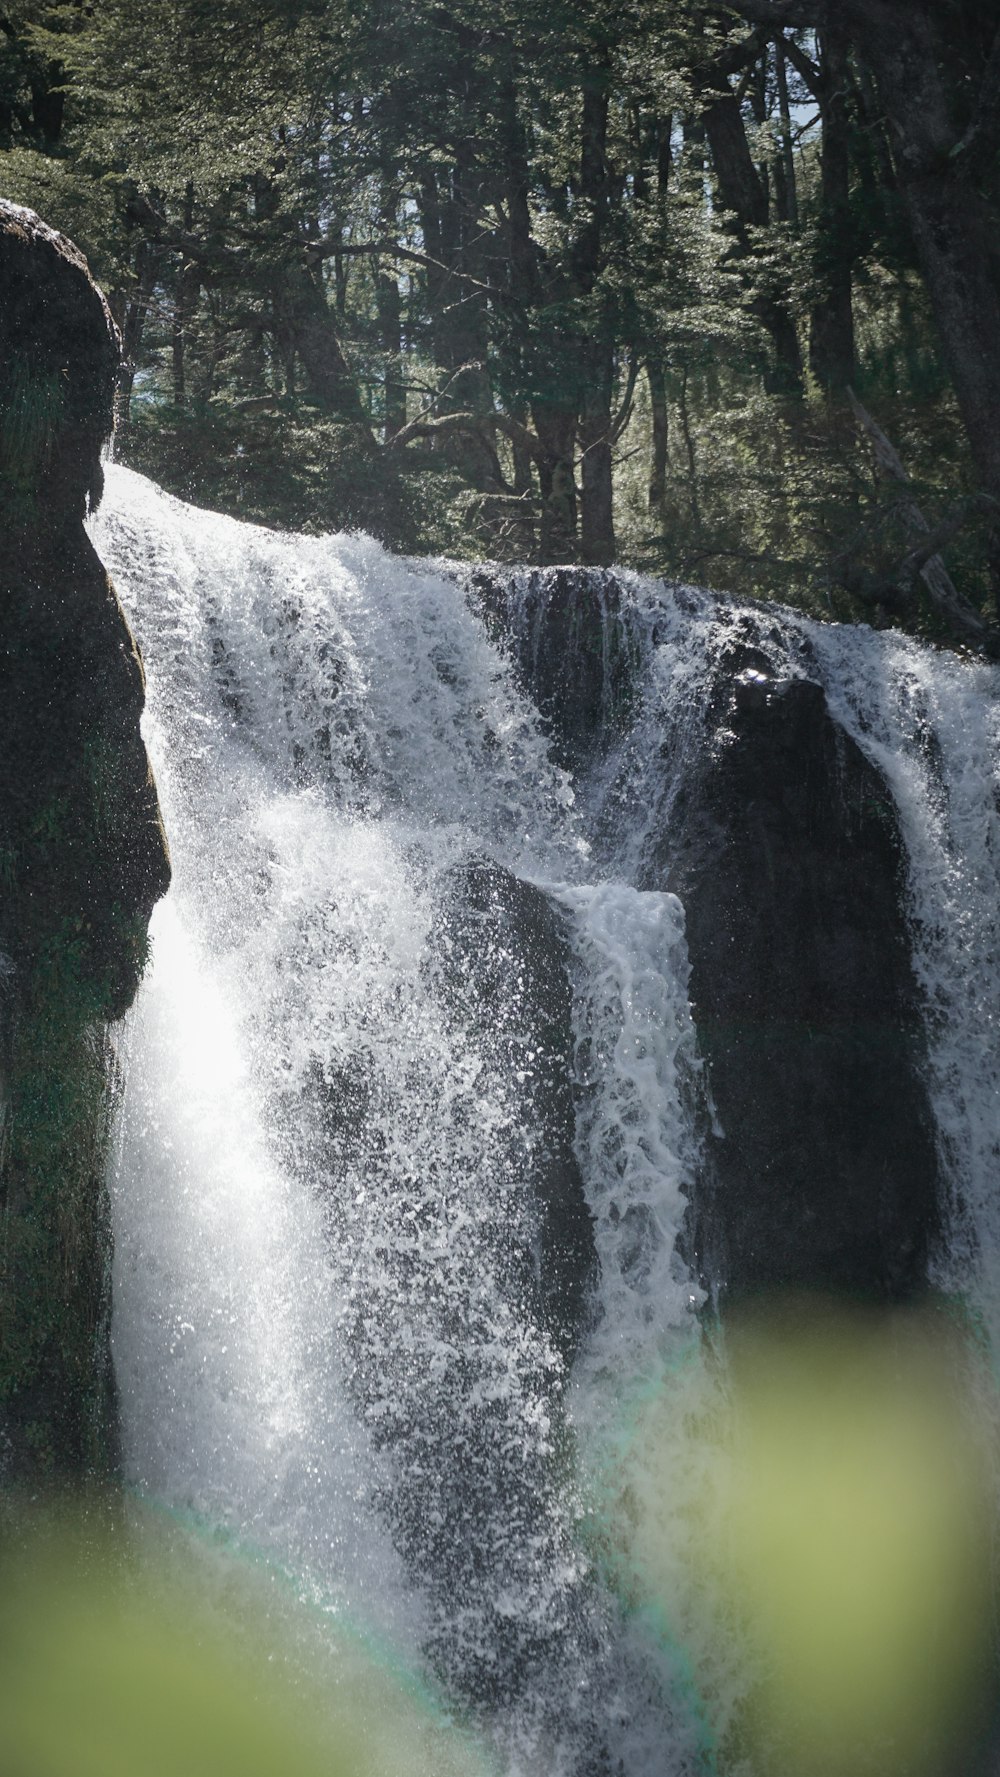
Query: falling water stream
x=319, y=1349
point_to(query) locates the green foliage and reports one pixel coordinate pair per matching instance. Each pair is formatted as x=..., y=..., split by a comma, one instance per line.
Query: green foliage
x=412, y=269
x=283, y=466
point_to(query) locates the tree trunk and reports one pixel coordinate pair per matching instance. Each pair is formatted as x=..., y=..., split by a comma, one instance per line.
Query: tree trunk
x=453, y=224
x=692, y=461
x=132, y=321
x=390, y=321
x=742, y=194
x=758, y=97
x=597, y=530
x=957, y=232
x=740, y=189
x=921, y=66
x=556, y=430
x=313, y=335
x=831, y=323
x=958, y=614
x=657, y=496
x=637, y=144
x=186, y=286
x=664, y=152
x=597, y=525
x=789, y=202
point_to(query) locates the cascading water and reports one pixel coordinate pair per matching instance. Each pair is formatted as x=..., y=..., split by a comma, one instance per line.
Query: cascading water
x=333, y=1324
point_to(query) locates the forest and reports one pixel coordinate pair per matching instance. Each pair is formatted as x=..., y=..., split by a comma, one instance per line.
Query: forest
x=709, y=288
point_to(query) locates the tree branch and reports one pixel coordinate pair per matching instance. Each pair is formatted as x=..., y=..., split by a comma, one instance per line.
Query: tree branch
x=624, y=413
x=735, y=57
x=318, y=251
x=897, y=590
x=426, y=425
x=690, y=558
x=942, y=535
x=804, y=65
x=425, y=420
x=141, y=209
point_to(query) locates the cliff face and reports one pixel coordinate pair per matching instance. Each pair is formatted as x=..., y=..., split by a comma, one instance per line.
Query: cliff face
x=82, y=853
x=506, y=967
x=818, y=1169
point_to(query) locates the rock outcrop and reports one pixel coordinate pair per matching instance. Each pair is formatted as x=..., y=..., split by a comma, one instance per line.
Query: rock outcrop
x=781, y=840
x=784, y=848
x=575, y=645
x=82, y=853
x=504, y=959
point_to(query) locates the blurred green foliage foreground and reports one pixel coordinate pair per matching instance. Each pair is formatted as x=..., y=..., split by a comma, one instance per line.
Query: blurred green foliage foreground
x=131, y=1654
x=803, y=1510
x=807, y=1507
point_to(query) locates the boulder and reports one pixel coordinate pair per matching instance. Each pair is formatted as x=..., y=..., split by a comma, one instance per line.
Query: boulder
x=576, y=646
x=821, y=1170
x=83, y=857
x=502, y=957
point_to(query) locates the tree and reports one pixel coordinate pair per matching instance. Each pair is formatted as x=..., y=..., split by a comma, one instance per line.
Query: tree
x=559, y=282
x=936, y=68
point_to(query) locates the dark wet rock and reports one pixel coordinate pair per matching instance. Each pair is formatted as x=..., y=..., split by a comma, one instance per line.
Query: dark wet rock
x=785, y=850
x=503, y=958
x=80, y=825
x=59, y=361
x=443, y=1377
x=576, y=646
x=499, y=964
x=781, y=839
x=82, y=853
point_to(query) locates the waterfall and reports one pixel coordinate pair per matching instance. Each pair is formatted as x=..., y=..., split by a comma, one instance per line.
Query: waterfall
x=335, y=1331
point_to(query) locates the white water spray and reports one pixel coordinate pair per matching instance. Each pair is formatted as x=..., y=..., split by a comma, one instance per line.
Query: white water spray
x=316, y=1336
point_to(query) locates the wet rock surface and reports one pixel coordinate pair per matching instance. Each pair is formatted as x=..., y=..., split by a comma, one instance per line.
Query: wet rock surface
x=820, y=1165
x=448, y=1373
x=83, y=847
x=575, y=646
x=504, y=959
x=83, y=857
x=781, y=839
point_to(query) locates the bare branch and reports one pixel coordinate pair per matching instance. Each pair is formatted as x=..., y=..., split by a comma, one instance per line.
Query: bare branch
x=439, y=394
x=426, y=425
x=736, y=56
x=689, y=559
x=320, y=250
x=426, y=420
x=624, y=413
x=803, y=65
x=949, y=528
x=924, y=559
x=142, y=210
